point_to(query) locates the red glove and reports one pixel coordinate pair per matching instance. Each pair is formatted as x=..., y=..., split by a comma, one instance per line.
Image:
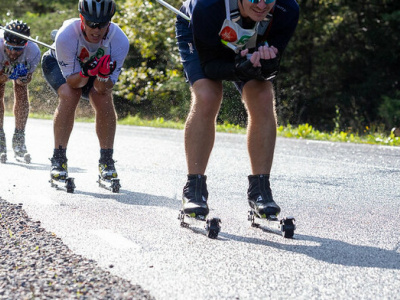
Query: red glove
x=90, y=68
x=106, y=67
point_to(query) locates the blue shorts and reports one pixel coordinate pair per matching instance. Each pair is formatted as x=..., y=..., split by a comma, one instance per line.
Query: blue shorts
x=189, y=55
x=54, y=77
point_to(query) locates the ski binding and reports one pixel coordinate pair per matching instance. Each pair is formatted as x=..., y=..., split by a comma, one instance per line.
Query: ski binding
x=285, y=226
x=26, y=158
x=3, y=157
x=212, y=226
x=110, y=184
x=66, y=184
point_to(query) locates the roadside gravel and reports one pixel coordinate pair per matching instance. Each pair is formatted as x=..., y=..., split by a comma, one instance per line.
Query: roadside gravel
x=35, y=263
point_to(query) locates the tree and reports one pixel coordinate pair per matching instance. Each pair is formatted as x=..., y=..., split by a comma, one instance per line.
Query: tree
x=344, y=54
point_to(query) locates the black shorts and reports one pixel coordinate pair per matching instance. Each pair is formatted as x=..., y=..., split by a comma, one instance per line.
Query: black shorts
x=54, y=77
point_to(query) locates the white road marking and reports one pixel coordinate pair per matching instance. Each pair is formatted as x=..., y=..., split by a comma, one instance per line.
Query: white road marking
x=115, y=240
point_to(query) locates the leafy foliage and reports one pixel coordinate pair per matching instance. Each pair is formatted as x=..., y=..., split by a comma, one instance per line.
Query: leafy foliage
x=153, y=72
x=344, y=54
x=340, y=72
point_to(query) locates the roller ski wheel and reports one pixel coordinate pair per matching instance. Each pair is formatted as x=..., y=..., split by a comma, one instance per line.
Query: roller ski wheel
x=20, y=152
x=212, y=226
x=109, y=184
x=67, y=184
x=3, y=158
x=285, y=226
x=26, y=158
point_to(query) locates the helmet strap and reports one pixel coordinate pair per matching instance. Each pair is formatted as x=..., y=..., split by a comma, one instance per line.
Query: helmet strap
x=82, y=25
x=108, y=29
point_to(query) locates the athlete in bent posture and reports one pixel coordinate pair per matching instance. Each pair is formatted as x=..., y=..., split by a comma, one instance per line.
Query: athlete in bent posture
x=89, y=53
x=240, y=41
x=18, y=60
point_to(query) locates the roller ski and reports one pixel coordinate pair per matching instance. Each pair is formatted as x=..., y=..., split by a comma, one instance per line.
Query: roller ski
x=195, y=210
x=59, y=175
x=20, y=152
x=263, y=209
x=285, y=226
x=108, y=177
x=3, y=148
x=3, y=157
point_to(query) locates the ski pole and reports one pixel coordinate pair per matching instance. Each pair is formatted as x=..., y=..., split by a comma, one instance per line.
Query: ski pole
x=171, y=8
x=27, y=38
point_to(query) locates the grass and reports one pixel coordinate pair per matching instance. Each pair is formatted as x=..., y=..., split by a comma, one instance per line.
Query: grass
x=369, y=136
x=373, y=135
x=305, y=131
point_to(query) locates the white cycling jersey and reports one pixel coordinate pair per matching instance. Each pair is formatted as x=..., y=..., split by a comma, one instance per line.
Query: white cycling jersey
x=30, y=58
x=72, y=49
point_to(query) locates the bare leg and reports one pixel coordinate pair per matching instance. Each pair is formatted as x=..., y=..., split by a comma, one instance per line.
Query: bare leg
x=2, y=89
x=64, y=115
x=261, y=132
x=106, y=117
x=200, y=124
x=21, y=105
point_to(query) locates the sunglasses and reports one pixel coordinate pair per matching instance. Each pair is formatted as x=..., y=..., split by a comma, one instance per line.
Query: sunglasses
x=94, y=25
x=14, y=48
x=258, y=1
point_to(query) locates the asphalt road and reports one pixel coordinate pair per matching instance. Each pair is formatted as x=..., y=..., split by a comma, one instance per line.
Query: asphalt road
x=345, y=198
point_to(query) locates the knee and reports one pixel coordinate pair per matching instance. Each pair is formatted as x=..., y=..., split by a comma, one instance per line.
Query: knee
x=68, y=97
x=65, y=92
x=103, y=104
x=206, y=103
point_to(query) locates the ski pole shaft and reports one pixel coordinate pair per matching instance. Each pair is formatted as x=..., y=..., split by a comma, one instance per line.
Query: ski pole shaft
x=171, y=8
x=27, y=38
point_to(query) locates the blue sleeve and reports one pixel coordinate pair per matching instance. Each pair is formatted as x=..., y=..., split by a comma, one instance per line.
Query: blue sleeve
x=216, y=60
x=207, y=19
x=284, y=23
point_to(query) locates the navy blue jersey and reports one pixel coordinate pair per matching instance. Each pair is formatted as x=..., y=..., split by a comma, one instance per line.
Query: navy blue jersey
x=207, y=17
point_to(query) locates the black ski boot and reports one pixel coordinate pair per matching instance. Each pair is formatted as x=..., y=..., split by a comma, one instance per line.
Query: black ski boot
x=260, y=198
x=18, y=144
x=107, y=169
x=194, y=198
x=3, y=147
x=59, y=168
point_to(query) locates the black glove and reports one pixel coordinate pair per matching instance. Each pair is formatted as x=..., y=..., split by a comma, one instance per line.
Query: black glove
x=244, y=69
x=269, y=67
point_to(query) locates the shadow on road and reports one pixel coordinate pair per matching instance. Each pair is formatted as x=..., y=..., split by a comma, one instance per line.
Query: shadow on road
x=37, y=166
x=332, y=251
x=31, y=166
x=135, y=198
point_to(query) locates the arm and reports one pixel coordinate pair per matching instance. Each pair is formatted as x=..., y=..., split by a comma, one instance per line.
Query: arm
x=103, y=87
x=3, y=77
x=33, y=58
x=119, y=51
x=66, y=45
x=284, y=24
x=76, y=81
x=24, y=81
x=215, y=67
x=217, y=61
